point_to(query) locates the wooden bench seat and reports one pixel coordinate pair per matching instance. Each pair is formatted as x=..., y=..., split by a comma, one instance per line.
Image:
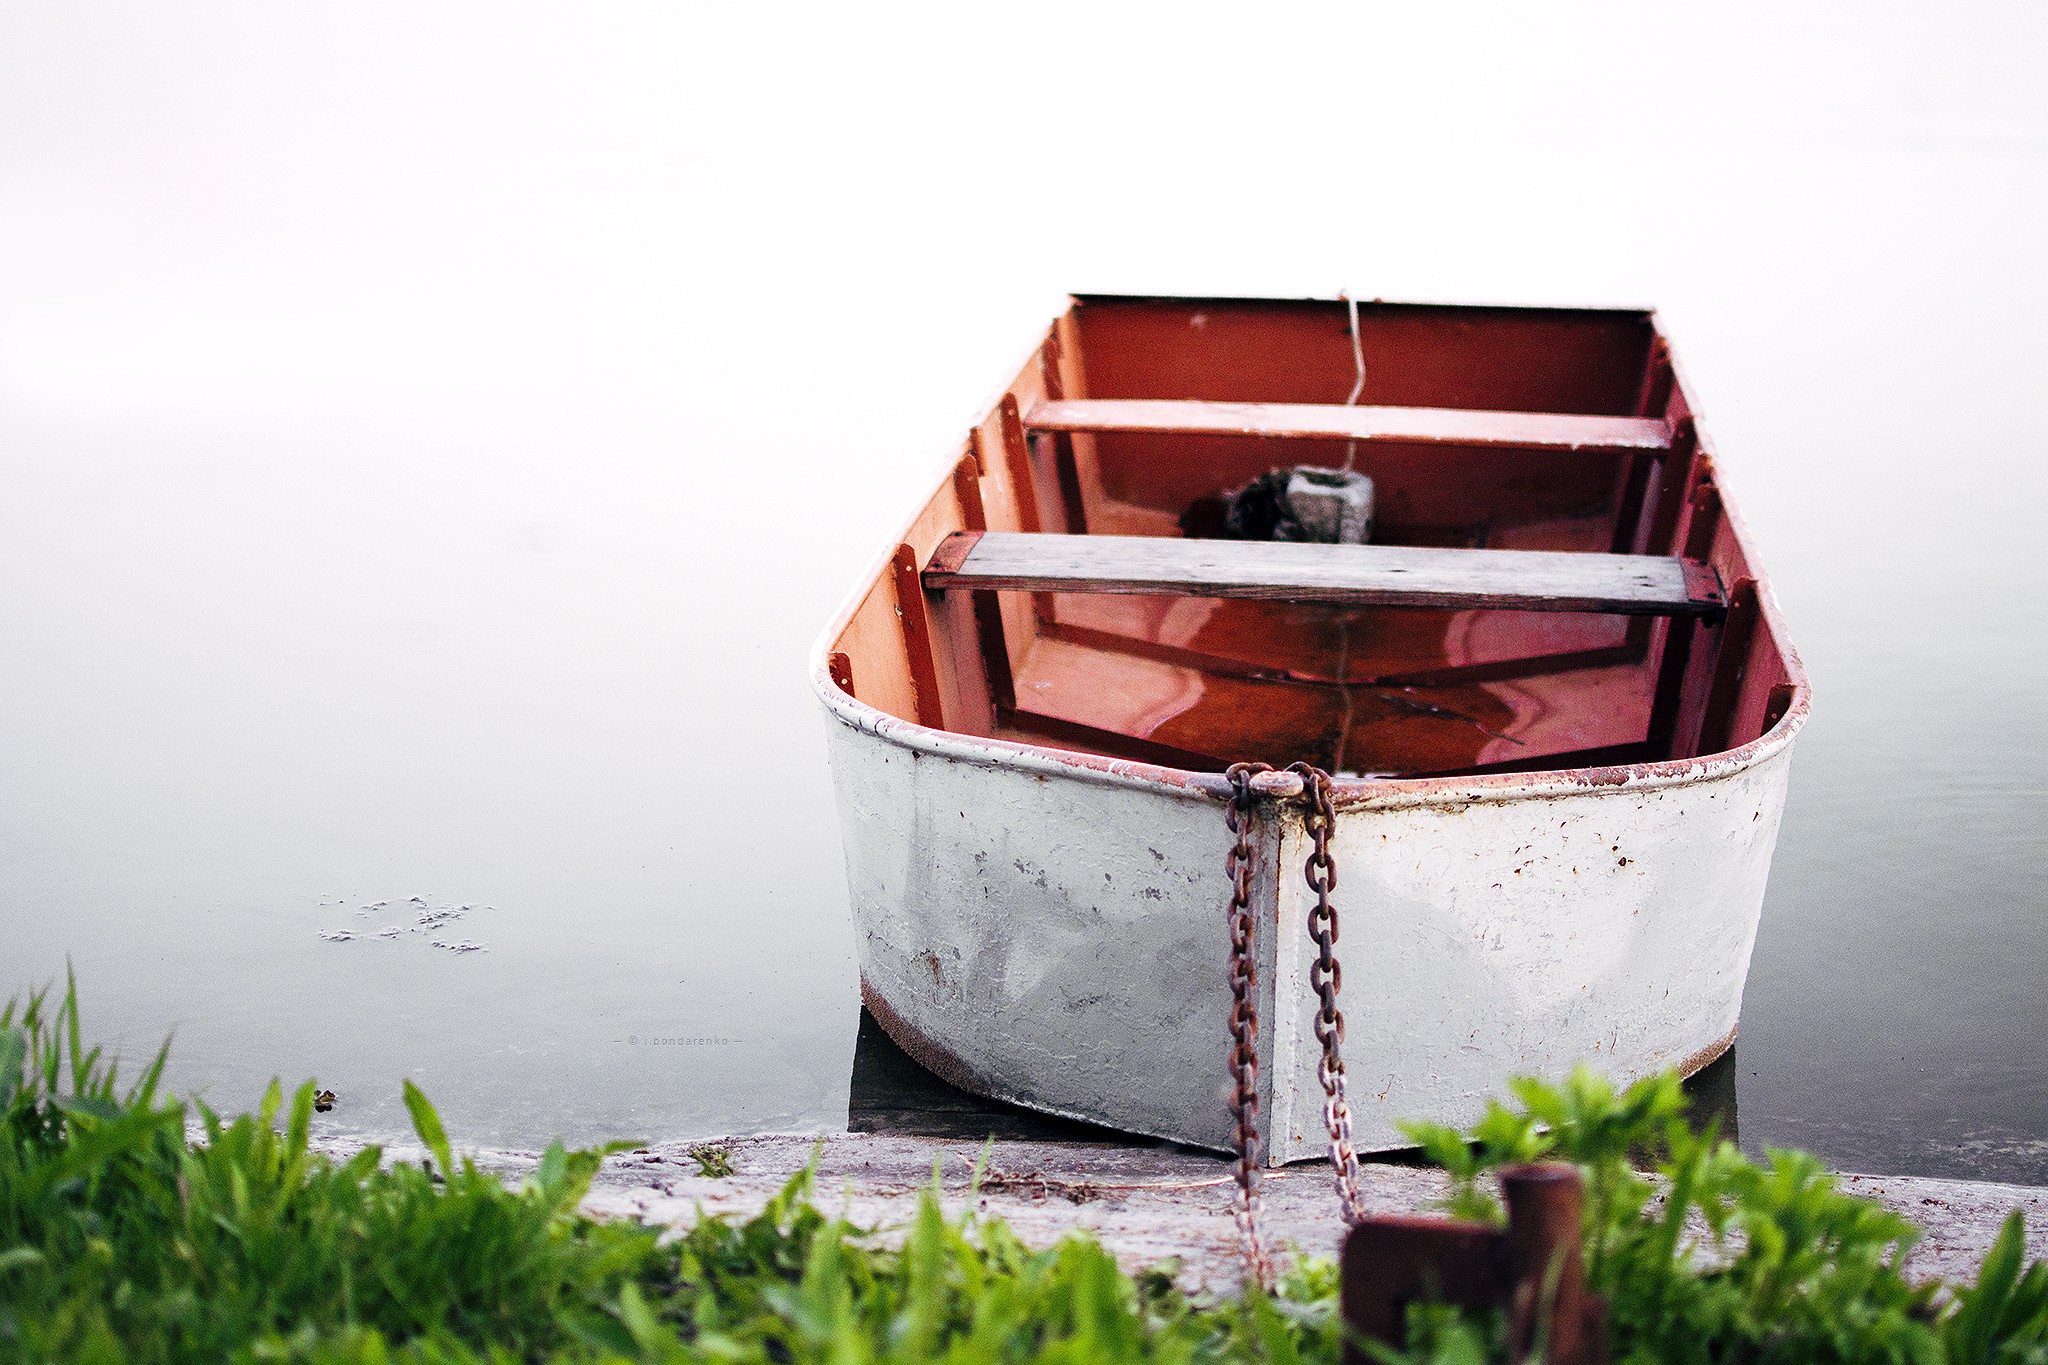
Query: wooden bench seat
x=1350, y=575
x=1331, y=421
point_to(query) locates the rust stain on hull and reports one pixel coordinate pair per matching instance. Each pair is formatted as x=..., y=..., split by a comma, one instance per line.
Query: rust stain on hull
x=933, y=1056
x=1708, y=1055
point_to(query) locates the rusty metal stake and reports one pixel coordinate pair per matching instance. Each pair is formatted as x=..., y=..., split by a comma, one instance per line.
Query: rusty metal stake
x=1531, y=1270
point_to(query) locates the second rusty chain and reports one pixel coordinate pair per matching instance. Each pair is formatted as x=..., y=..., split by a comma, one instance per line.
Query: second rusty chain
x=1326, y=977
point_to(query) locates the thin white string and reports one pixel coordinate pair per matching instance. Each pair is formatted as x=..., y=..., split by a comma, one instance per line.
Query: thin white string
x=1357, y=351
x=1358, y=364
x=1349, y=704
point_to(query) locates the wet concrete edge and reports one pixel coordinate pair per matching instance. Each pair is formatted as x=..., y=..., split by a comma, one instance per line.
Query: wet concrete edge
x=1146, y=1204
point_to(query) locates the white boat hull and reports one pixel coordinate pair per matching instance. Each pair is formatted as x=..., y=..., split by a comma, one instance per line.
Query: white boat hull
x=1050, y=930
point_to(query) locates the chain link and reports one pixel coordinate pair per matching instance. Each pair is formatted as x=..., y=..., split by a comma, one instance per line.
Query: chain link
x=1244, y=1018
x=1326, y=978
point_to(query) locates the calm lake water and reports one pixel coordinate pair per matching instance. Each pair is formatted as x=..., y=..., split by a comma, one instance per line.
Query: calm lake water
x=429, y=443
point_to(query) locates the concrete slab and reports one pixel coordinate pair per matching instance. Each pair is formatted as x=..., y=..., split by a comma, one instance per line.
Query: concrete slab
x=1149, y=1204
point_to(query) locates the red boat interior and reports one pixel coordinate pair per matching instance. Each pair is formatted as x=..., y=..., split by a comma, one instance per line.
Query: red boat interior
x=1477, y=427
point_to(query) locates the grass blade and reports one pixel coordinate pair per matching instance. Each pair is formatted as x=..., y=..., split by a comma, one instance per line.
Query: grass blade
x=427, y=1124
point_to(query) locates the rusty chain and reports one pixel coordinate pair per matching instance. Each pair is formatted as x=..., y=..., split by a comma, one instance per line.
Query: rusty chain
x=1244, y=1019
x=1326, y=977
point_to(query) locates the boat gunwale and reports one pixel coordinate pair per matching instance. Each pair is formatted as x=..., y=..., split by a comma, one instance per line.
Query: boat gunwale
x=1376, y=793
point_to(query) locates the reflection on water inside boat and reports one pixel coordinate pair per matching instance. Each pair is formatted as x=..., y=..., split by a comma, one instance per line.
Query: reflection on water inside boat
x=892, y=1094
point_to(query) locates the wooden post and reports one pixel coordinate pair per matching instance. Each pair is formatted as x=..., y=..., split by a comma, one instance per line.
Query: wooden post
x=1531, y=1270
x=1549, y=1318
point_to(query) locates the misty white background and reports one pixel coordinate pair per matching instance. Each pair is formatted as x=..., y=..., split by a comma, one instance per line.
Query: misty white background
x=430, y=436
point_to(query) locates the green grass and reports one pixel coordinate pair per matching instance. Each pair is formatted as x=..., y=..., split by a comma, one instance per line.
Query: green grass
x=121, y=1239
x=1786, y=1268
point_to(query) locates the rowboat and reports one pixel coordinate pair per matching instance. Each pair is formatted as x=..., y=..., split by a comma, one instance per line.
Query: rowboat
x=1551, y=687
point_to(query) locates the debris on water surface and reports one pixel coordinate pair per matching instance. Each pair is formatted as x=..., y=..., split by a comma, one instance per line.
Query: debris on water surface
x=414, y=915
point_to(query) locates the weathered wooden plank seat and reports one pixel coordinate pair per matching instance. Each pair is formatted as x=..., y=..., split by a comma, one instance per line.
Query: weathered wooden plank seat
x=1331, y=421
x=1352, y=575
